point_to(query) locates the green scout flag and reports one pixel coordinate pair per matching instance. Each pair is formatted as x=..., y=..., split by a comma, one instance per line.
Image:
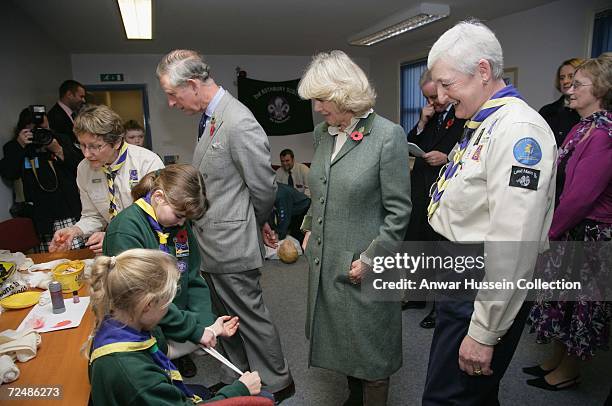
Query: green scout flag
x=276, y=105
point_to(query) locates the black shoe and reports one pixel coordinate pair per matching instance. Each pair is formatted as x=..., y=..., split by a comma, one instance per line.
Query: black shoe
x=355, y=392
x=186, y=366
x=284, y=394
x=536, y=371
x=542, y=384
x=414, y=304
x=429, y=321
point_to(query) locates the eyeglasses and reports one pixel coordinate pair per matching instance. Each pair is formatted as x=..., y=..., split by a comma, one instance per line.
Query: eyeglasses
x=94, y=149
x=576, y=85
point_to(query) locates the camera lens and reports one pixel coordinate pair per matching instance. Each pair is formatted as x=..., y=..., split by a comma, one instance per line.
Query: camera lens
x=42, y=136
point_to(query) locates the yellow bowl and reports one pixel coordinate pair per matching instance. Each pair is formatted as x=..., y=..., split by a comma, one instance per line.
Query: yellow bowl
x=70, y=275
x=6, y=270
x=21, y=300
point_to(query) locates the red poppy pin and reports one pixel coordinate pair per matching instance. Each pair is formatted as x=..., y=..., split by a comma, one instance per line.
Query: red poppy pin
x=212, y=126
x=357, y=135
x=181, y=236
x=449, y=123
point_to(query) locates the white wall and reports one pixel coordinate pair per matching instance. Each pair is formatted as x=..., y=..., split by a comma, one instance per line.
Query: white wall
x=32, y=69
x=172, y=132
x=535, y=41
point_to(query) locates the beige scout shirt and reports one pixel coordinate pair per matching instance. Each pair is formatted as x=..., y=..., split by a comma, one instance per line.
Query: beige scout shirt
x=480, y=204
x=299, y=173
x=94, y=190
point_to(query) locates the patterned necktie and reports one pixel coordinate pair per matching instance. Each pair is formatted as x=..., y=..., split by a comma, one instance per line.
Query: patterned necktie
x=202, y=125
x=111, y=173
x=507, y=95
x=145, y=204
x=290, y=180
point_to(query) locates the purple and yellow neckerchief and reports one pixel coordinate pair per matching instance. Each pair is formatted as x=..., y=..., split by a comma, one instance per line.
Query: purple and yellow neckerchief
x=497, y=101
x=111, y=172
x=600, y=119
x=145, y=204
x=114, y=336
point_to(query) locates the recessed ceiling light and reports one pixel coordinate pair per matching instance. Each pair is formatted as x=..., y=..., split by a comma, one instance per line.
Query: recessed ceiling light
x=136, y=16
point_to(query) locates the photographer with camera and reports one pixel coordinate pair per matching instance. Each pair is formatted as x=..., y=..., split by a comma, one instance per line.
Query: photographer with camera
x=45, y=164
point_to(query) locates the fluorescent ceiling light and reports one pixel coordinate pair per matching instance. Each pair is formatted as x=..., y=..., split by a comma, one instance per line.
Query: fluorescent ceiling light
x=136, y=16
x=401, y=22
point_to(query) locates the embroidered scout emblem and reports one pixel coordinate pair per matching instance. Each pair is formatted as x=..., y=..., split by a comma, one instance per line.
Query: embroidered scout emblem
x=133, y=177
x=181, y=244
x=476, y=154
x=525, y=178
x=182, y=266
x=527, y=151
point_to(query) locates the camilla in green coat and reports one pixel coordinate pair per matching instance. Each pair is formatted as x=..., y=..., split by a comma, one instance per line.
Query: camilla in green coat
x=360, y=186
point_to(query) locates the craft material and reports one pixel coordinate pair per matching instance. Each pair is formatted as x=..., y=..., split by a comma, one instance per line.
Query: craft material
x=57, y=299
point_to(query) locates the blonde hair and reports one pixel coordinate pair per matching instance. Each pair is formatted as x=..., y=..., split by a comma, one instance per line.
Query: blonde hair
x=599, y=71
x=573, y=62
x=100, y=121
x=129, y=281
x=183, y=189
x=333, y=76
x=181, y=65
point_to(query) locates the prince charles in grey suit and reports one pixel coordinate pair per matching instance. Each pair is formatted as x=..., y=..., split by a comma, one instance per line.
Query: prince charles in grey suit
x=233, y=155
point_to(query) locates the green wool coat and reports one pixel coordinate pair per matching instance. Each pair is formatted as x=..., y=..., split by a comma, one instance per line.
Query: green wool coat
x=191, y=310
x=359, y=200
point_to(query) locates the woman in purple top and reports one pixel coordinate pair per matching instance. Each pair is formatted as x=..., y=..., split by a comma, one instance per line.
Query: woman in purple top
x=579, y=324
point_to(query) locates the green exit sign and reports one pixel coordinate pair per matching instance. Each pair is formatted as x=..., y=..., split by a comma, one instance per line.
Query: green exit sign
x=111, y=77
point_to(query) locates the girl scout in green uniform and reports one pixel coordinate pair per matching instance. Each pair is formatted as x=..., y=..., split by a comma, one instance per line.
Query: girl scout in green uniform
x=163, y=201
x=130, y=294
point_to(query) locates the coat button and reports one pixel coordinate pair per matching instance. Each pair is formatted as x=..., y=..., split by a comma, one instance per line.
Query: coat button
x=205, y=175
x=324, y=180
x=320, y=220
x=322, y=200
x=316, y=261
x=319, y=240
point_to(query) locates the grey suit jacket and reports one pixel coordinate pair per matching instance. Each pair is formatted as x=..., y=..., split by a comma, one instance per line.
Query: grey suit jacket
x=233, y=156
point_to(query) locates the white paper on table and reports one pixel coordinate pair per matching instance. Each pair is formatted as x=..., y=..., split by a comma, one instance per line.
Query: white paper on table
x=52, y=322
x=415, y=150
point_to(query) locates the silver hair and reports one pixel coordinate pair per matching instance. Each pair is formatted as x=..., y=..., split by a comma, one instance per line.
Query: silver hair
x=465, y=44
x=181, y=65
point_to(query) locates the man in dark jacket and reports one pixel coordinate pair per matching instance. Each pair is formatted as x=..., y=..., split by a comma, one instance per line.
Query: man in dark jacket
x=436, y=134
x=62, y=114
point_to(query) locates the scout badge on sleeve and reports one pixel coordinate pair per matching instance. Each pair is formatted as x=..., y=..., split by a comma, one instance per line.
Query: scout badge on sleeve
x=133, y=177
x=527, y=151
x=525, y=178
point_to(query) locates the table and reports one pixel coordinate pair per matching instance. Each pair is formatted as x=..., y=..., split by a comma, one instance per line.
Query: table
x=59, y=360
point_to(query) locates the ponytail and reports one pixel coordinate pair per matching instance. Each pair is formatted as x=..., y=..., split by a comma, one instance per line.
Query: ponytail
x=128, y=282
x=146, y=185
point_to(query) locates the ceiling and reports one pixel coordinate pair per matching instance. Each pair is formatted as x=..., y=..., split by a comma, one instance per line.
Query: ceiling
x=247, y=27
